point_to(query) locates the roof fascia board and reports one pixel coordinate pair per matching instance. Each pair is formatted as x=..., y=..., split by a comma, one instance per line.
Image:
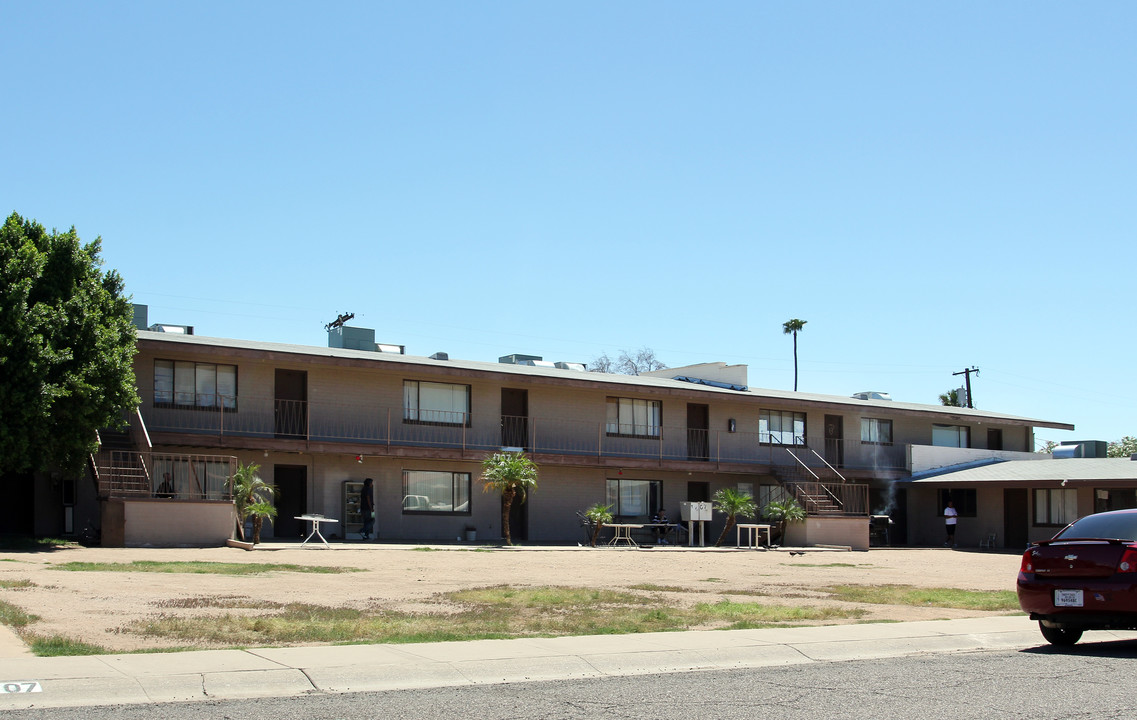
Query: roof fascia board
x=339, y=357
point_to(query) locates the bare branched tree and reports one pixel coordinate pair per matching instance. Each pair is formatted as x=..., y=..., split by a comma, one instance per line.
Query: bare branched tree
x=630, y=362
x=602, y=364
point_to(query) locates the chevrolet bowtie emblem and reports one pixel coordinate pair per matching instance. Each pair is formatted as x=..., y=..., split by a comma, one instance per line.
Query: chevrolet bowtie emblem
x=1071, y=557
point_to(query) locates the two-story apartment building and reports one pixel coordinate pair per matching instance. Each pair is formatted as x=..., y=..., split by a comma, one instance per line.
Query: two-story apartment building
x=318, y=420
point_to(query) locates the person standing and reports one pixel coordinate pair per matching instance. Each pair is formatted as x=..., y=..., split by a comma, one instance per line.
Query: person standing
x=367, y=507
x=950, y=518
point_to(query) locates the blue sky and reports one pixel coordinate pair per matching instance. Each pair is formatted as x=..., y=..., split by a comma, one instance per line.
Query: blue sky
x=932, y=186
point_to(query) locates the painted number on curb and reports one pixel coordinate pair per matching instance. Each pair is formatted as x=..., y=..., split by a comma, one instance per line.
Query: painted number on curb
x=20, y=687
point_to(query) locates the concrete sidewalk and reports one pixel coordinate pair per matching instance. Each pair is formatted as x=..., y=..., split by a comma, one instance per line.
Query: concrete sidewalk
x=282, y=672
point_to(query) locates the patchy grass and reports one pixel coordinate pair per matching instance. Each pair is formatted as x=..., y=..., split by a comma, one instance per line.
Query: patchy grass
x=828, y=565
x=741, y=616
x=207, y=568
x=25, y=543
x=59, y=646
x=483, y=613
x=712, y=579
x=13, y=616
x=16, y=584
x=652, y=587
x=987, y=600
x=227, y=602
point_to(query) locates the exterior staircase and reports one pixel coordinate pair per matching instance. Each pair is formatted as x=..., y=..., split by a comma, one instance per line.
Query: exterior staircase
x=816, y=485
x=119, y=468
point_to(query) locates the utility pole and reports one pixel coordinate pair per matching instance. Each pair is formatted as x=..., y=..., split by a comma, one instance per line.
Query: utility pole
x=967, y=372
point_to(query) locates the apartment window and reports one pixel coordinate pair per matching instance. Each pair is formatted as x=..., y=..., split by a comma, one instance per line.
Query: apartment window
x=781, y=427
x=770, y=493
x=951, y=436
x=437, y=492
x=199, y=385
x=1114, y=499
x=1056, y=507
x=876, y=431
x=436, y=403
x=634, y=498
x=632, y=417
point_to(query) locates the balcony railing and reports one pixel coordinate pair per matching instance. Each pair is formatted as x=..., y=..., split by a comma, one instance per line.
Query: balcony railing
x=125, y=473
x=361, y=423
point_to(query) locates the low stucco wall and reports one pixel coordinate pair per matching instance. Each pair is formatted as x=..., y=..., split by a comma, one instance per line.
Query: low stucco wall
x=167, y=523
x=850, y=531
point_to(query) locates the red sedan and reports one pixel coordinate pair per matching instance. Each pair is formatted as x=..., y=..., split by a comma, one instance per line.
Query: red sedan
x=1084, y=578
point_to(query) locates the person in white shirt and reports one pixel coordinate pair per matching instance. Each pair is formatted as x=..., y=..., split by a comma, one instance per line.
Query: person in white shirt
x=950, y=517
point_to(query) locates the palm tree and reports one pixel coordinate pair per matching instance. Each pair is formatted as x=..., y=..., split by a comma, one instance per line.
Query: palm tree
x=793, y=327
x=782, y=512
x=513, y=475
x=734, y=504
x=252, y=497
x=598, y=515
x=951, y=399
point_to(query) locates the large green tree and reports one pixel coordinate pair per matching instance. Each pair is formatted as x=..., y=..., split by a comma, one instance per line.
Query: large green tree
x=66, y=347
x=1124, y=447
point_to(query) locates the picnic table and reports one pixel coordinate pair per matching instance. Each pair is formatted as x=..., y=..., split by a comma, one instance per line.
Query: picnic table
x=752, y=530
x=623, y=532
x=316, y=520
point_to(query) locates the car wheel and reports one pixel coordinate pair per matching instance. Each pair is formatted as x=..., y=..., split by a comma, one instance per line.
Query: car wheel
x=1059, y=636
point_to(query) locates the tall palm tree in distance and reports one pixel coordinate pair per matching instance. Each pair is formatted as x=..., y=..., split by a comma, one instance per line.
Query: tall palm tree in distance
x=793, y=327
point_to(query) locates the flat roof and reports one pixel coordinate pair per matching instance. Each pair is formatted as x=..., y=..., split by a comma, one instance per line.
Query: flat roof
x=939, y=413
x=1047, y=470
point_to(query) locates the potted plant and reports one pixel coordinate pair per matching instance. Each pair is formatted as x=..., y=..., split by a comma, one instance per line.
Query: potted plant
x=782, y=512
x=512, y=474
x=252, y=498
x=735, y=505
x=598, y=515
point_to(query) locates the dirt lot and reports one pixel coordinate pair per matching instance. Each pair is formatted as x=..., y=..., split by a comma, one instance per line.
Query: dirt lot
x=95, y=606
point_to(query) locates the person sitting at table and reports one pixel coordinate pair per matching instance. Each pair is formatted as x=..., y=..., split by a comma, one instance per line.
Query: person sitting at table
x=661, y=532
x=166, y=489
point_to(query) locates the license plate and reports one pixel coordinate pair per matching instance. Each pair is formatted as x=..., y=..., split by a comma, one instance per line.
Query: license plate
x=1067, y=598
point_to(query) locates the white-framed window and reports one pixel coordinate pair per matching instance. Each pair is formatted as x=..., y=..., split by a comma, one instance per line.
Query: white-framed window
x=436, y=403
x=957, y=436
x=1055, y=506
x=634, y=498
x=192, y=384
x=781, y=427
x=436, y=491
x=634, y=417
x=876, y=430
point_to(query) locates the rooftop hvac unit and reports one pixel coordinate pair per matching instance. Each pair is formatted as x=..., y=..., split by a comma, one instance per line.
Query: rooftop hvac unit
x=175, y=329
x=872, y=395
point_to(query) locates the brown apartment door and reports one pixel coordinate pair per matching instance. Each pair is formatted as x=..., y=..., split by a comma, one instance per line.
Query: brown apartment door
x=291, y=501
x=698, y=432
x=515, y=418
x=835, y=440
x=291, y=404
x=1016, y=517
x=994, y=439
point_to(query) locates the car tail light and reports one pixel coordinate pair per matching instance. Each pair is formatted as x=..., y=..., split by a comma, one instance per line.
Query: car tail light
x=1028, y=566
x=1128, y=562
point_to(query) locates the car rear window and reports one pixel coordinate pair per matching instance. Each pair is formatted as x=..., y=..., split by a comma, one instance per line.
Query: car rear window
x=1122, y=526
